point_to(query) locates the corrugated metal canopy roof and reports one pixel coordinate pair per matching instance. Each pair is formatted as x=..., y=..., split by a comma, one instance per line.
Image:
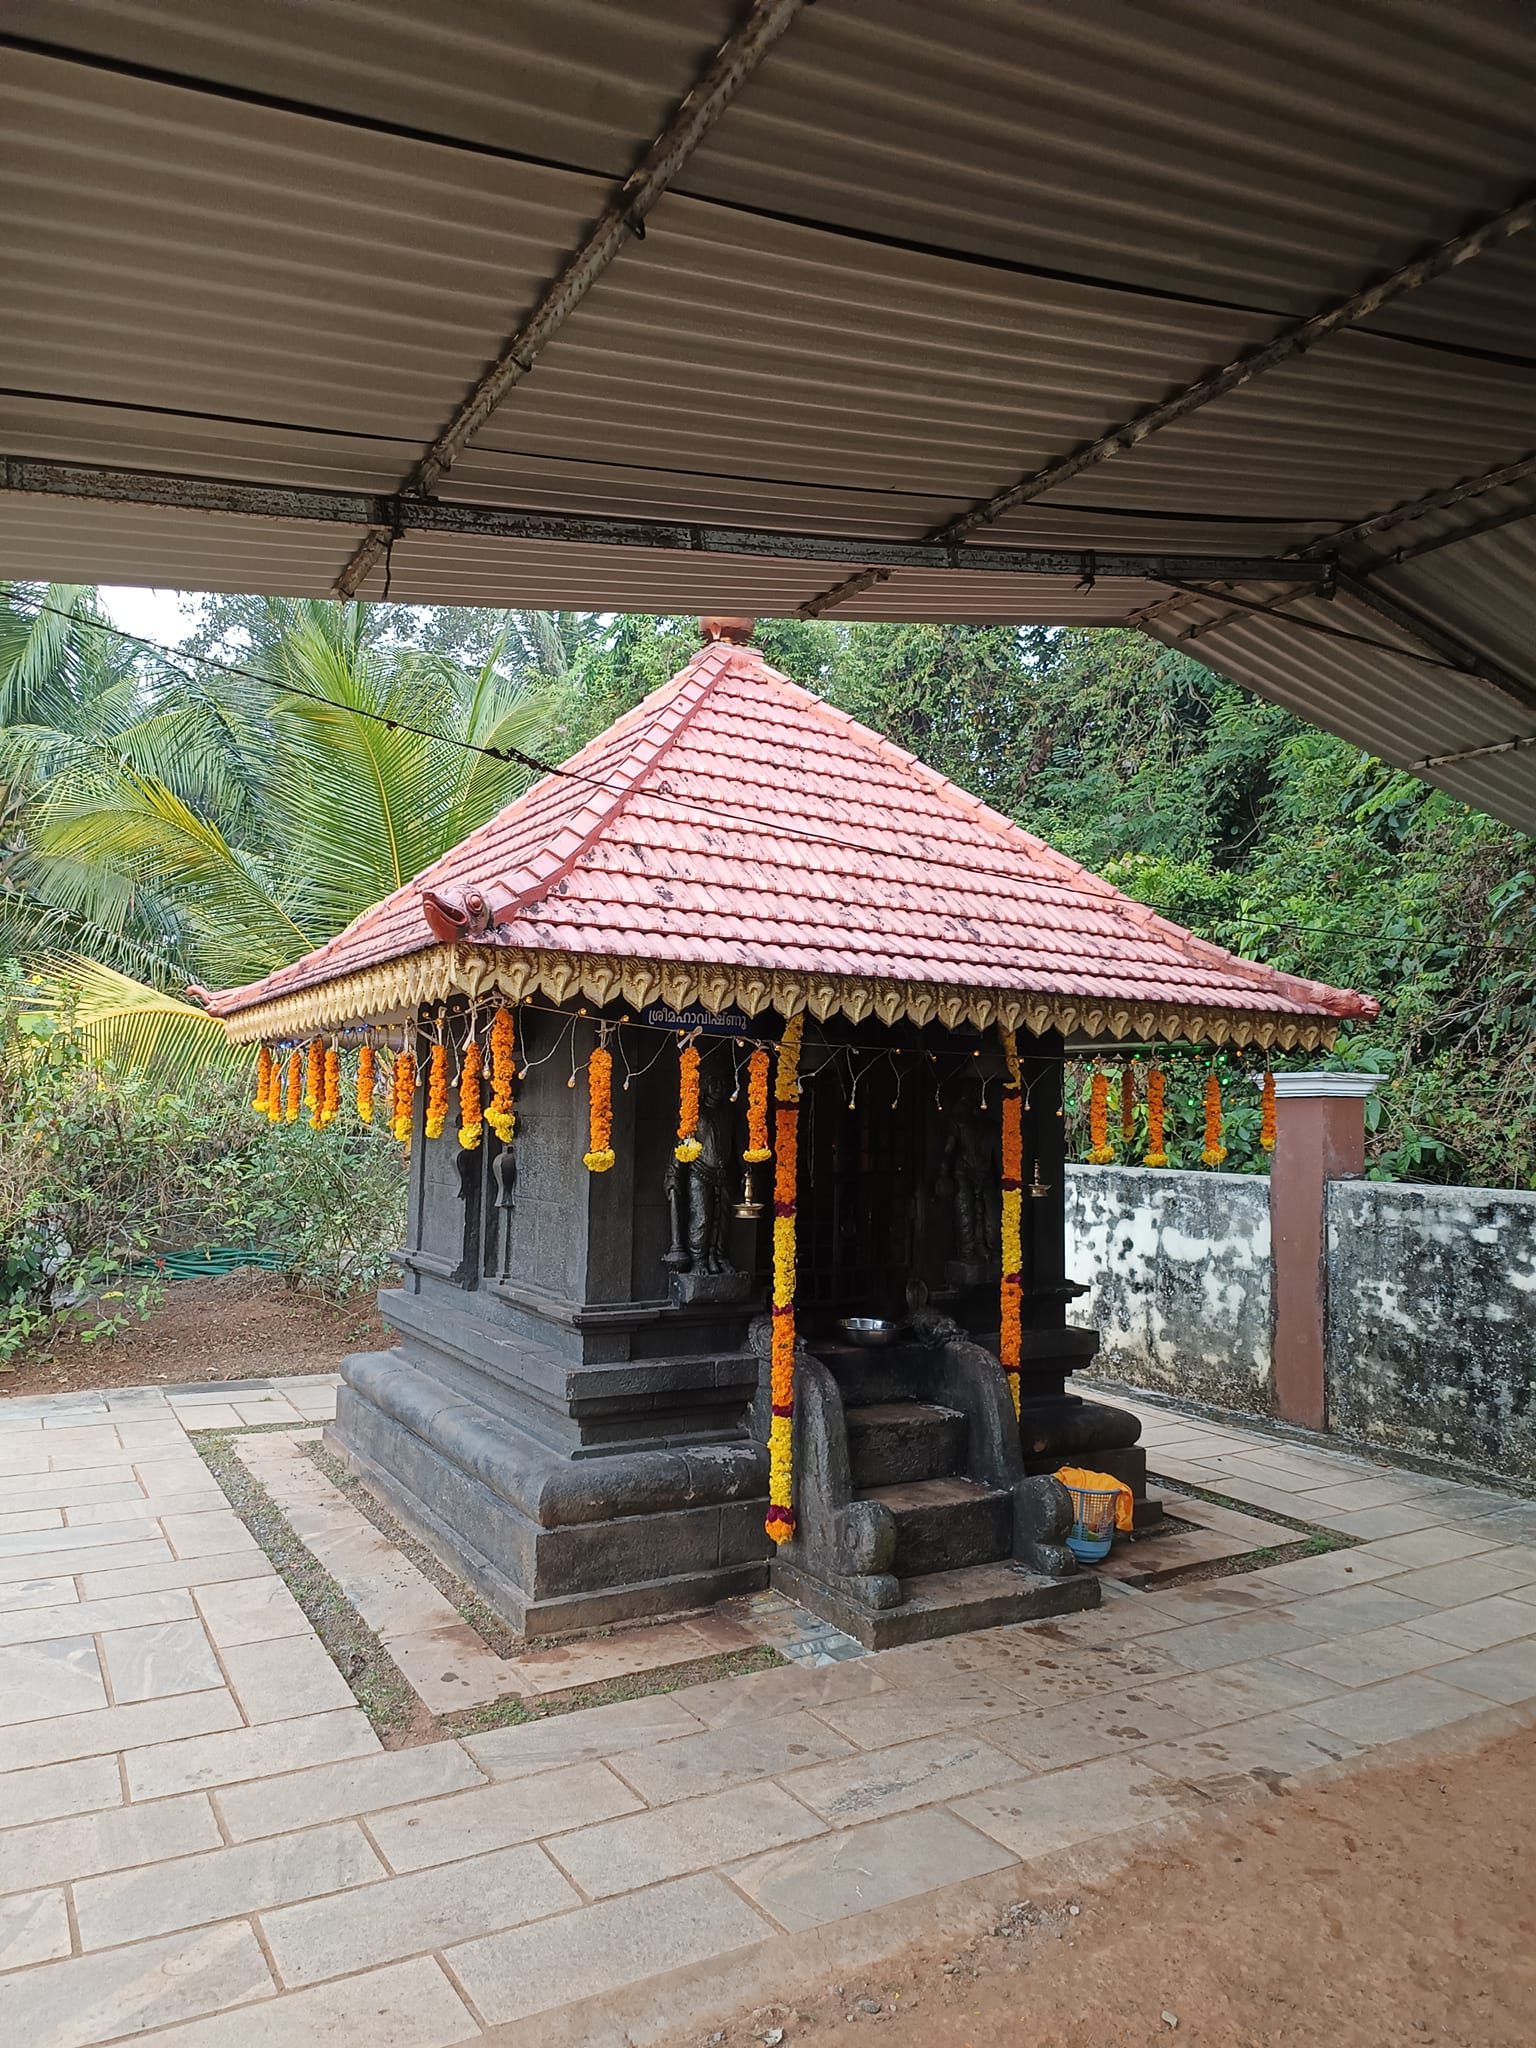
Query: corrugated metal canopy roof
x=896, y=260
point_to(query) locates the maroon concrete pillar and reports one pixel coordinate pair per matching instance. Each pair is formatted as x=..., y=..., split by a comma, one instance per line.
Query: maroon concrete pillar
x=1319, y=1137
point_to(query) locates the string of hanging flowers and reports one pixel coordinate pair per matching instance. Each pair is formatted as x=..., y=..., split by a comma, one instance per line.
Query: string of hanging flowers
x=437, y=1091
x=1127, y=1104
x=330, y=1085
x=781, y=1510
x=314, y=1067
x=1103, y=1152
x=263, y=1081
x=295, y=1086
x=499, y=1114
x=1155, y=1154
x=1012, y=1290
x=404, y=1097
x=688, y=1147
x=599, y=1155
x=365, y=1084
x=1215, y=1151
x=275, y=1090
x=471, y=1099
x=758, y=1150
x=1267, y=1114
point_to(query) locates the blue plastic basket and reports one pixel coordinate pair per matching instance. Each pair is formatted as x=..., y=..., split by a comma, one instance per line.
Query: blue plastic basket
x=1093, y=1526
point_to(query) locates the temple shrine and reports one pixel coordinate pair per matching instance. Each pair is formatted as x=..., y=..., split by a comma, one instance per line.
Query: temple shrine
x=730, y=1059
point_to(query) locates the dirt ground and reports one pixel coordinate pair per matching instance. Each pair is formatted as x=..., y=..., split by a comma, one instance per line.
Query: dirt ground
x=1393, y=1909
x=247, y=1327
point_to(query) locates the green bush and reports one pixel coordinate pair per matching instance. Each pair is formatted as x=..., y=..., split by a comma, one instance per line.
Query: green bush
x=100, y=1172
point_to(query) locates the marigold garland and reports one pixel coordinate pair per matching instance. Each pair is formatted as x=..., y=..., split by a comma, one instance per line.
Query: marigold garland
x=1103, y=1152
x=1127, y=1104
x=1267, y=1114
x=599, y=1155
x=781, y=1508
x=295, y=1086
x=330, y=1085
x=404, y=1097
x=688, y=1147
x=1010, y=1342
x=314, y=1067
x=1155, y=1153
x=499, y=1114
x=437, y=1091
x=758, y=1149
x=275, y=1090
x=471, y=1098
x=1215, y=1151
x=263, y=1081
x=365, y=1084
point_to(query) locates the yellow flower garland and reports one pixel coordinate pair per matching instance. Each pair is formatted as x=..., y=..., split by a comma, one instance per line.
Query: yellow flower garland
x=275, y=1091
x=365, y=1084
x=688, y=1147
x=599, y=1155
x=781, y=1509
x=471, y=1100
x=1215, y=1151
x=1010, y=1341
x=499, y=1114
x=437, y=1091
x=263, y=1081
x=404, y=1097
x=1267, y=1114
x=1155, y=1154
x=330, y=1085
x=295, y=1086
x=758, y=1149
x=1103, y=1153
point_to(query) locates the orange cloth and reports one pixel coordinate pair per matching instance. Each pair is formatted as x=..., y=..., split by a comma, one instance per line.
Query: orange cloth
x=1101, y=1482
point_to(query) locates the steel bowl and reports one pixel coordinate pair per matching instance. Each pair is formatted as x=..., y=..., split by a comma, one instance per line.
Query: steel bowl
x=870, y=1330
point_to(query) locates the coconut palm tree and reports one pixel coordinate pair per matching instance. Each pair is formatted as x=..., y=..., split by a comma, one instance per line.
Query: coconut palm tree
x=172, y=821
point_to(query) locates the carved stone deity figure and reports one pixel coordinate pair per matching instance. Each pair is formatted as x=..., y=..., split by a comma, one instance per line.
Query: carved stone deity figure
x=970, y=1179
x=698, y=1193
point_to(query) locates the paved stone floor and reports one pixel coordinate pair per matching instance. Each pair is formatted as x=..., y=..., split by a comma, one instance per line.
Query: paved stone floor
x=203, y=1843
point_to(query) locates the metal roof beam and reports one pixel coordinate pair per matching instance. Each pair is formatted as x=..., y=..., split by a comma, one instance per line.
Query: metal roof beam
x=1293, y=340
x=385, y=517
x=1447, y=645
x=621, y=221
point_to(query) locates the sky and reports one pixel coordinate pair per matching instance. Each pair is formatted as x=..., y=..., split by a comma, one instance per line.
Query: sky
x=154, y=614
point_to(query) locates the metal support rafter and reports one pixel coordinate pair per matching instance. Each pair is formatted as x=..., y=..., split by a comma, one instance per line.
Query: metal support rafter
x=383, y=516
x=621, y=221
x=1293, y=340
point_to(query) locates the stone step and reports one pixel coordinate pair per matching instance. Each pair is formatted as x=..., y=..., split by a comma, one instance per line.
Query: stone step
x=891, y=1443
x=943, y=1603
x=945, y=1524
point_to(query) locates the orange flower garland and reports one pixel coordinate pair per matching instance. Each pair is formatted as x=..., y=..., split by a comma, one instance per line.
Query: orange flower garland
x=263, y=1081
x=1155, y=1153
x=314, y=1067
x=503, y=1073
x=471, y=1100
x=295, y=1086
x=1267, y=1114
x=1103, y=1152
x=781, y=1430
x=1012, y=1291
x=275, y=1091
x=404, y=1097
x=330, y=1085
x=1215, y=1151
x=758, y=1149
x=599, y=1155
x=365, y=1081
x=1127, y=1104
x=688, y=1147
x=437, y=1091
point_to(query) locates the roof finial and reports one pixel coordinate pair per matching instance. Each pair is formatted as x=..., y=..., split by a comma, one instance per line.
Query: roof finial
x=737, y=631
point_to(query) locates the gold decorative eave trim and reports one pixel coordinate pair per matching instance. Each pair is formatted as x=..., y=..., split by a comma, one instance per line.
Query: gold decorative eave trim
x=395, y=991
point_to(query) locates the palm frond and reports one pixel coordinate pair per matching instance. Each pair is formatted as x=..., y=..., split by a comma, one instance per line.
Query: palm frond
x=133, y=1026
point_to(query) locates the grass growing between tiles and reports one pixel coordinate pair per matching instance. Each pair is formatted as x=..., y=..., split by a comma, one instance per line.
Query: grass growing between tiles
x=377, y=1683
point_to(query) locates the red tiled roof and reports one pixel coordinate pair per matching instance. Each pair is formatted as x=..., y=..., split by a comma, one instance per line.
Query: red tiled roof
x=735, y=820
